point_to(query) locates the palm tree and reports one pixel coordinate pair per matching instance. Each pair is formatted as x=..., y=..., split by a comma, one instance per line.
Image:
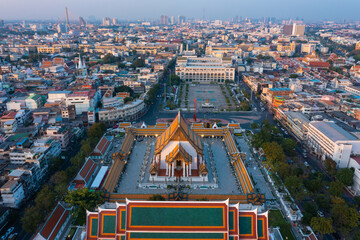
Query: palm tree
x=322, y=225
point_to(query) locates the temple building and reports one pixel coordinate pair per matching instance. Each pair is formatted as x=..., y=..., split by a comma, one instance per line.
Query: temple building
x=179, y=154
x=215, y=220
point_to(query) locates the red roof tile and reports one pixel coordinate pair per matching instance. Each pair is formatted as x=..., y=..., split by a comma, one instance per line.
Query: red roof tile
x=59, y=225
x=90, y=173
x=52, y=221
x=101, y=147
x=88, y=169
x=85, y=169
x=319, y=64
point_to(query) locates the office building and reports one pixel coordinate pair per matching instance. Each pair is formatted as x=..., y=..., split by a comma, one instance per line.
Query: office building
x=308, y=48
x=205, y=70
x=181, y=20
x=106, y=22
x=328, y=140
x=164, y=20
x=294, y=30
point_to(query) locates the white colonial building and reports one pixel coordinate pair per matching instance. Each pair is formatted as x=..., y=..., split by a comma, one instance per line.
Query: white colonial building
x=205, y=70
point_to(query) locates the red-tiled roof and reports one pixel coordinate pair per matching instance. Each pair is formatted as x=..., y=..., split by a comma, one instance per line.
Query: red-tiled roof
x=86, y=168
x=10, y=115
x=357, y=159
x=101, y=147
x=90, y=172
x=88, y=94
x=52, y=221
x=59, y=225
x=319, y=64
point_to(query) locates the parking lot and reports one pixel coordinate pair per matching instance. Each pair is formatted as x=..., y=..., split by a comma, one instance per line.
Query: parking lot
x=203, y=93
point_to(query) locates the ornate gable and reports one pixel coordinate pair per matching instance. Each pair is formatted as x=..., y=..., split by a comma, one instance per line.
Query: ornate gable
x=178, y=131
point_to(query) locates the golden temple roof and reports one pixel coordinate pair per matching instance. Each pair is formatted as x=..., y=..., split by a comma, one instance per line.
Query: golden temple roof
x=178, y=131
x=178, y=151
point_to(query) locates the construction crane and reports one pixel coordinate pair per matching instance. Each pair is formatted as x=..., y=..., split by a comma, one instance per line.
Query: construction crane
x=67, y=20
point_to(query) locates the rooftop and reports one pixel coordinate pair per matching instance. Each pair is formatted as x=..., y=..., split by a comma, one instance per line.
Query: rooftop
x=333, y=131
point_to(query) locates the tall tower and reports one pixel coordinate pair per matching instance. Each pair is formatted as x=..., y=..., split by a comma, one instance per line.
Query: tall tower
x=67, y=20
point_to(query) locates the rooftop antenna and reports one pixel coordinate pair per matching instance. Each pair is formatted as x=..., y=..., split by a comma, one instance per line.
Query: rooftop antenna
x=67, y=20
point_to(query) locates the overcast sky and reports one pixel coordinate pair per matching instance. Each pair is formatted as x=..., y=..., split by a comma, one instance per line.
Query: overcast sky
x=151, y=9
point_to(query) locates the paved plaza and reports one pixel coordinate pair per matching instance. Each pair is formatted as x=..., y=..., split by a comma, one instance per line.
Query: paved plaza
x=202, y=93
x=136, y=177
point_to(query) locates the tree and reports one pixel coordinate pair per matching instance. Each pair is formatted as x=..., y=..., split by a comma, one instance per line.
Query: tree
x=97, y=130
x=137, y=63
x=156, y=197
x=59, y=178
x=174, y=79
x=124, y=89
x=284, y=170
x=346, y=176
x=313, y=185
x=109, y=58
x=82, y=200
x=310, y=211
x=151, y=95
x=323, y=202
x=293, y=184
x=344, y=217
x=45, y=199
x=336, y=188
x=288, y=146
x=330, y=166
x=273, y=152
x=127, y=99
x=244, y=106
x=86, y=148
x=254, y=125
x=293, y=75
x=31, y=219
x=322, y=225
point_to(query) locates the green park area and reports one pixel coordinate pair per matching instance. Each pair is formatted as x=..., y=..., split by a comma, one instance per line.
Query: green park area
x=276, y=219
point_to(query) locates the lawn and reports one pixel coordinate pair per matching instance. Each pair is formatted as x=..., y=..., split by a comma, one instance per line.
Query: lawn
x=276, y=219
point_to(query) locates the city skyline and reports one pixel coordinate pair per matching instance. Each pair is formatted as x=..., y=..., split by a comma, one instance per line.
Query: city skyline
x=139, y=10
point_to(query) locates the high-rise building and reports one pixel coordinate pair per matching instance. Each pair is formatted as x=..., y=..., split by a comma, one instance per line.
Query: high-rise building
x=172, y=20
x=287, y=29
x=298, y=30
x=164, y=20
x=114, y=21
x=181, y=20
x=294, y=29
x=60, y=28
x=106, y=21
x=82, y=21
x=1, y=23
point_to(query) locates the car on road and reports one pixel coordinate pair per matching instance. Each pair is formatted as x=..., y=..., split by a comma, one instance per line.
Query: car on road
x=13, y=236
x=306, y=164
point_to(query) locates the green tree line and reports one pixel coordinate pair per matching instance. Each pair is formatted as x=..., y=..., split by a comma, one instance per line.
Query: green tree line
x=57, y=187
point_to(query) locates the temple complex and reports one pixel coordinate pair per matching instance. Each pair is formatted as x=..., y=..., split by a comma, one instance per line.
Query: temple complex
x=211, y=220
x=179, y=153
x=165, y=155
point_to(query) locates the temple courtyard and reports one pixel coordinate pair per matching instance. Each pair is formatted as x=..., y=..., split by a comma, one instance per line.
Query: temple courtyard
x=136, y=178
